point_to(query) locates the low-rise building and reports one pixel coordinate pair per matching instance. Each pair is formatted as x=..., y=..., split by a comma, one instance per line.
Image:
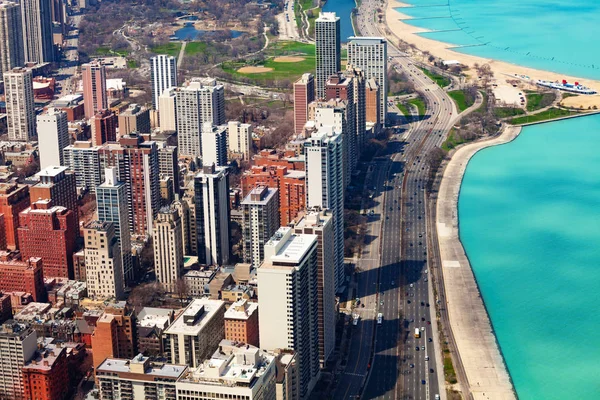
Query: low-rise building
x=241, y=322
x=197, y=281
x=151, y=323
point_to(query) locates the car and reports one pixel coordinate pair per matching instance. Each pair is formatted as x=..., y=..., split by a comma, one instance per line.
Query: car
x=412, y=365
x=430, y=340
x=412, y=285
x=423, y=381
x=417, y=348
x=431, y=370
x=428, y=322
x=426, y=304
x=357, y=300
x=422, y=303
x=422, y=329
x=425, y=280
x=381, y=302
x=363, y=305
x=412, y=320
x=437, y=397
x=408, y=301
x=422, y=319
x=422, y=347
x=426, y=358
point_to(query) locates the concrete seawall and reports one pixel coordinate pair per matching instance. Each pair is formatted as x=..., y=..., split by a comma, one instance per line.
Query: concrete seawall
x=476, y=342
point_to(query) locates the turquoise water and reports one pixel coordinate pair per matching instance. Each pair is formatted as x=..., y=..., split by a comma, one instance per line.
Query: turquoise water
x=343, y=9
x=530, y=224
x=552, y=35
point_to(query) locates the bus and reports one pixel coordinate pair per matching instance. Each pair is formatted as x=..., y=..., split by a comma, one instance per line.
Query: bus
x=379, y=318
x=417, y=333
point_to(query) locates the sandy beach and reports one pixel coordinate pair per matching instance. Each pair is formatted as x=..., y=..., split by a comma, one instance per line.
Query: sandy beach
x=502, y=70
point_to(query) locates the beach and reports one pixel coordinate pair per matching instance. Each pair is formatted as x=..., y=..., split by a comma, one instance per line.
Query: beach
x=503, y=71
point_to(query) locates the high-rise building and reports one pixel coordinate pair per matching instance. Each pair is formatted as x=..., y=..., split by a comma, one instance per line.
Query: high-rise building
x=373, y=102
x=11, y=37
x=168, y=248
x=200, y=100
x=104, y=127
x=360, y=105
x=114, y=335
x=103, y=261
x=163, y=69
x=327, y=49
x=53, y=137
x=94, y=88
x=325, y=187
x=304, y=94
x=20, y=110
x=83, y=158
x=261, y=221
x=57, y=184
x=370, y=55
x=14, y=198
x=168, y=164
x=112, y=206
x=136, y=161
x=196, y=332
x=135, y=119
x=49, y=232
x=36, y=18
x=168, y=111
x=22, y=276
x=239, y=139
x=320, y=223
x=211, y=187
x=341, y=87
x=214, y=145
x=18, y=343
x=288, y=317
x=46, y=375
x=241, y=322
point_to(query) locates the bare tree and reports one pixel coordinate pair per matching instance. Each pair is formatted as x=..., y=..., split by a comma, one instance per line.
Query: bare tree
x=182, y=290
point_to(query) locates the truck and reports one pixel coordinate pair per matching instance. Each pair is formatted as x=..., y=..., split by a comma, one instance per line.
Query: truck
x=417, y=333
x=379, y=318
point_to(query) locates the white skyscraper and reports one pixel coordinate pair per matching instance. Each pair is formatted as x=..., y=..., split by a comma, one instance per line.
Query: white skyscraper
x=36, y=19
x=288, y=302
x=11, y=37
x=168, y=114
x=18, y=343
x=239, y=138
x=83, y=158
x=211, y=187
x=214, y=145
x=164, y=75
x=200, y=100
x=53, y=137
x=370, y=55
x=168, y=247
x=327, y=49
x=112, y=206
x=20, y=110
x=261, y=220
x=325, y=186
x=103, y=268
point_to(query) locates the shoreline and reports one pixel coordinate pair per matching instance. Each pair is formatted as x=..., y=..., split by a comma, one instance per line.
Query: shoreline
x=476, y=342
x=502, y=70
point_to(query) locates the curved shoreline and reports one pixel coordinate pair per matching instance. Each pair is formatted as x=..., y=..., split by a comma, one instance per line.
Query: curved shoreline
x=476, y=342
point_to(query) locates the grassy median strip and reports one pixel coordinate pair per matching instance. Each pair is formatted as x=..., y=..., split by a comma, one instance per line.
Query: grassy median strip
x=449, y=372
x=437, y=78
x=420, y=104
x=460, y=99
x=403, y=109
x=551, y=113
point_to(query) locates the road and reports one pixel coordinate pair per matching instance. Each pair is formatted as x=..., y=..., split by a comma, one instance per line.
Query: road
x=288, y=29
x=65, y=75
x=398, y=370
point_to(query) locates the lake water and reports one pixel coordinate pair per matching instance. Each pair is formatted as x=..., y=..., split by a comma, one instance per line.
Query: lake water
x=343, y=9
x=189, y=32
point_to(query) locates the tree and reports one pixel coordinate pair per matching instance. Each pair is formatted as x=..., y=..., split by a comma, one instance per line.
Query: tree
x=182, y=290
x=146, y=295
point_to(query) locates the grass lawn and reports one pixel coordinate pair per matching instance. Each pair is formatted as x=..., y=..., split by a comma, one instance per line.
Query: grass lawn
x=403, y=109
x=549, y=114
x=132, y=64
x=171, y=48
x=504, y=112
x=452, y=141
x=536, y=100
x=420, y=104
x=311, y=21
x=449, y=372
x=282, y=48
x=106, y=51
x=287, y=70
x=439, y=79
x=460, y=99
x=195, y=48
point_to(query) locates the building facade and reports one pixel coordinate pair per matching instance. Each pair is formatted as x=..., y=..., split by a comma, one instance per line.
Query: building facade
x=83, y=158
x=104, y=127
x=14, y=198
x=103, y=261
x=163, y=75
x=168, y=248
x=11, y=37
x=36, y=19
x=241, y=322
x=261, y=221
x=304, y=94
x=20, y=110
x=94, y=88
x=20, y=342
x=214, y=145
x=327, y=49
x=135, y=119
x=53, y=137
x=239, y=139
x=26, y=276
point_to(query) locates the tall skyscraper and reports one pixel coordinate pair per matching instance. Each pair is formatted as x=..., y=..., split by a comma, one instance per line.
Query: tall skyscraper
x=36, y=18
x=19, y=343
x=163, y=74
x=325, y=187
x=211, y=187
x=304, y=94
x=214, y=145
x=53, y=137
x=103, y=268
x=320, y=223
x=168, y=164
x=104, y=127
x=83, y=158
x=94, y=88
x=261, y=220
x=239, y=139
x=340, y=86
x=288, y=308
x=11, y=37
x=370, y=55
x=168, y=248
x=20, y=110
x=327, y=49
x=112, y=206
x=168, y=114
x=200, y=100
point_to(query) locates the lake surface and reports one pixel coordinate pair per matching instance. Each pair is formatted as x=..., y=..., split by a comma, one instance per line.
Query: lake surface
x=189, y=32
x=343, y=9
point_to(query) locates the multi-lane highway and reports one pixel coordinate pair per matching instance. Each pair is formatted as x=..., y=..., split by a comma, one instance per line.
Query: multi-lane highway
x=403, y=366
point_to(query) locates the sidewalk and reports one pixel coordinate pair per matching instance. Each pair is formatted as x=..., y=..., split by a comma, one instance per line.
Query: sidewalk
x=484, y=366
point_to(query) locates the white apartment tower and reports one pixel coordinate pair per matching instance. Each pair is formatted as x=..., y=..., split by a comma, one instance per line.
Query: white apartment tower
x=20, y=110
x=167, y=115
x=53, y=137
x=11, y=37
x=112, y=206
x=103, y=268
x=320, y=223
x=200, y=100
x=83, y=159
x=327, y=49
x=369, y=54
x=18, y=343
x=36, y=19
x=211, y=188
x=168, y=247
x=163, y=74
x=239, y=139
x=261, y=221
x=325, y=186
x=288, y=317
x=214, y=145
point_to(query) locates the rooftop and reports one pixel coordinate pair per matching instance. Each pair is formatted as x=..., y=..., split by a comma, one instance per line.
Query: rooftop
x=149, y=317
x=260, y=195
x=44, y=358
x=195, y=317
x=116, y=365
x=241, y=309
x=286, y=247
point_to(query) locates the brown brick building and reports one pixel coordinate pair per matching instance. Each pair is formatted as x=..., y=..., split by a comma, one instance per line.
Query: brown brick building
x=45, y=376
x=104, y=127
x=304, y=93
x=114, y=336
x=241, y=322
x=14, y=198
x=22, y=276
x=372, y=101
